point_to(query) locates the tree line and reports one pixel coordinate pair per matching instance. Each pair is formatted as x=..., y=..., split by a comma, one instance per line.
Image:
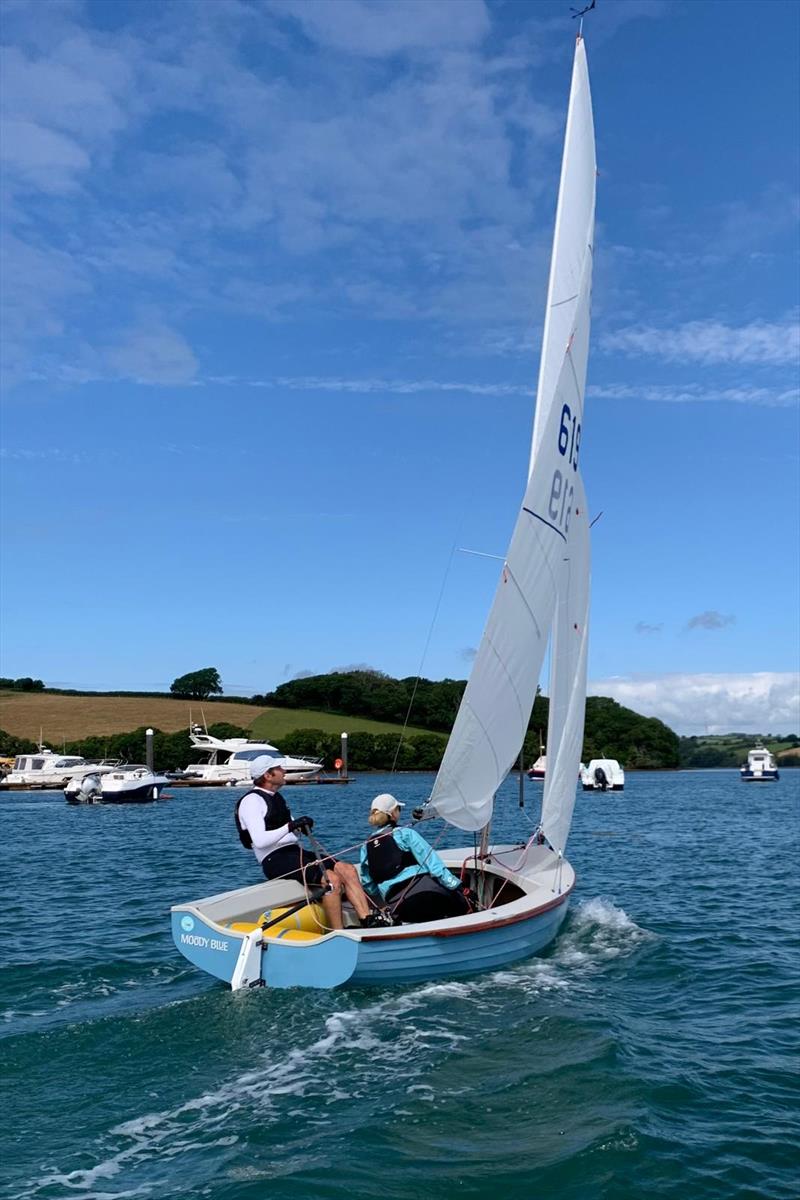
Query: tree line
x=611, y=730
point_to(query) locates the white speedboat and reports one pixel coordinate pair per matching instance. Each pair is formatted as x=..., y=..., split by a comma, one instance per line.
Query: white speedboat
x=47, y=769
x=760, y=767
x=128, y=784
x=228, y=760
x=603, y=775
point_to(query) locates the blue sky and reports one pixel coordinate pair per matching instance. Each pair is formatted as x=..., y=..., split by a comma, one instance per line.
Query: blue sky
x=274, y=276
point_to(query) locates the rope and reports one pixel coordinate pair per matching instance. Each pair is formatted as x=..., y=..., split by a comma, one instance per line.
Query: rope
x=425, y=649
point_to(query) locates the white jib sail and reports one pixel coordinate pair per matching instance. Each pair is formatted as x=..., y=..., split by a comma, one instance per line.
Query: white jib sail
x=568, y=680
x=495, y=710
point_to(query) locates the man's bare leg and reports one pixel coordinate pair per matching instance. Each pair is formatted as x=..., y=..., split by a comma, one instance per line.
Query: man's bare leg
x=347, y=876
x=332, y=902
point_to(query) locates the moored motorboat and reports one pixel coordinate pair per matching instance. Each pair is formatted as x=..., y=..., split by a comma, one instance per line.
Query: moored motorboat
x=48, y=769
x=761, y=766
x=228, y=760
x=603, y=775
x=522, y=890
x=128, y=784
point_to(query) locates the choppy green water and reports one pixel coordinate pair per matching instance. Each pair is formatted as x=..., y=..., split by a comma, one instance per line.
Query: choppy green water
x=651, y=1051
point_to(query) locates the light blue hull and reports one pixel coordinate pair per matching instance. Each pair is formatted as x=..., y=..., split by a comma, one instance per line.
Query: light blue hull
x=409, y=960
x=372, y=959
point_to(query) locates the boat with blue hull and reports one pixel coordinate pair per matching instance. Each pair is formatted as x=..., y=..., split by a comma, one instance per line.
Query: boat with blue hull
x=212, y=933
x=273, y=934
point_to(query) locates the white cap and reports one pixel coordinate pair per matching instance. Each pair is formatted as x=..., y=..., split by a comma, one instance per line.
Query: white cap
x=385, y=803
x=265, y=762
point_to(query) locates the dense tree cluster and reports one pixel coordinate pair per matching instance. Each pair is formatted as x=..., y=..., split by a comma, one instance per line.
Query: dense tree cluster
x=198, y=685
x=369, y=751
x=375, y=695
x=11, y=745
x=25, y=684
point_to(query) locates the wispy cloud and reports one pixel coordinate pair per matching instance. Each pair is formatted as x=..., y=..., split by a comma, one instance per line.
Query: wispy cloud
x=712, y=342
x=696, y=393
x=763, y=702
x=643, y=627
x=710, y=619
x=469, y=653
x=378, y=31
x=397, y=387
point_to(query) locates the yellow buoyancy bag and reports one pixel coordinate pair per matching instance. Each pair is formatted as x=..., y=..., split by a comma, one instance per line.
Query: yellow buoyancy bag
x=310, y=920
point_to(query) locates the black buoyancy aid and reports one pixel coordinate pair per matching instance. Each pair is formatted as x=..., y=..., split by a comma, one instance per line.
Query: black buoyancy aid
x=385, y=859
x=277, y=814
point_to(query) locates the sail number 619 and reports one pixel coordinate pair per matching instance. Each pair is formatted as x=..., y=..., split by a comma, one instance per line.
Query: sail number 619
x=560, y=506
x=569, y=437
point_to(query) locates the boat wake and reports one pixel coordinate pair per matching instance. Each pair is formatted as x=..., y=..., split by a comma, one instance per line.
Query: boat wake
x=397, y=1043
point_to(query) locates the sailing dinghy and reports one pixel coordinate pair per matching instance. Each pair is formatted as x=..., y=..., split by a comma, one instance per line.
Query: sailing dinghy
x=543, y=590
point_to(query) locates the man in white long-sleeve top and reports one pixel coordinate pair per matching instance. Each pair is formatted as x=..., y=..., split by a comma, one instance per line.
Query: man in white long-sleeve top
x=266, y=826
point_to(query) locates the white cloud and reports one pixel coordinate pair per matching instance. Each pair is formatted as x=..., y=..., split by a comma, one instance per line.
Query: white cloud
x=154, y=354
x=695, y=393
x=709, y=342
x=763, y=702
x=376, y=29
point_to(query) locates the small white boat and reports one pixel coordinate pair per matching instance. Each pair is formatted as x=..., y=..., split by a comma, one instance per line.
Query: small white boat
x=522, y=890
x=760, y=767
x=603, y=775
x=539, y=769
x=128, y=784
x=47, y=769
x=228, y=760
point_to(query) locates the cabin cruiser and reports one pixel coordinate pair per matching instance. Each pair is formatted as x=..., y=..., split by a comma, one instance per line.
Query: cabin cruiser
x=128, y=784
x=760, y=767
x=47, y=769
x=603, y=775
x=228, y=760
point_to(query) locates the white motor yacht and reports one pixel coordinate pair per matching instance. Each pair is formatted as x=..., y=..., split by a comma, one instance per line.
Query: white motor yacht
x=128, y=784
x=228, y=760
x=760, y=767
x=603, y=775
x=47, y=769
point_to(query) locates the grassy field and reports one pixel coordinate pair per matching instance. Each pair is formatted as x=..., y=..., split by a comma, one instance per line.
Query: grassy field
x=70, y=718
x=273, y=723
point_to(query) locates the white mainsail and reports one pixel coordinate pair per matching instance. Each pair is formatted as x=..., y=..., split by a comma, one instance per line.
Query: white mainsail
x=574, y=230
x=548, y=556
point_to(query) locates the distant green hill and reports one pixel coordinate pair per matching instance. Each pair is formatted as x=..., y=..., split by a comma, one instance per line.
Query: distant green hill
x=612, y=730
x=730, y=749
x=274, y=725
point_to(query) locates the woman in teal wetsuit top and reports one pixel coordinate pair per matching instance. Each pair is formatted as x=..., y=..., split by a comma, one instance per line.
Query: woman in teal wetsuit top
x=402, y=869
